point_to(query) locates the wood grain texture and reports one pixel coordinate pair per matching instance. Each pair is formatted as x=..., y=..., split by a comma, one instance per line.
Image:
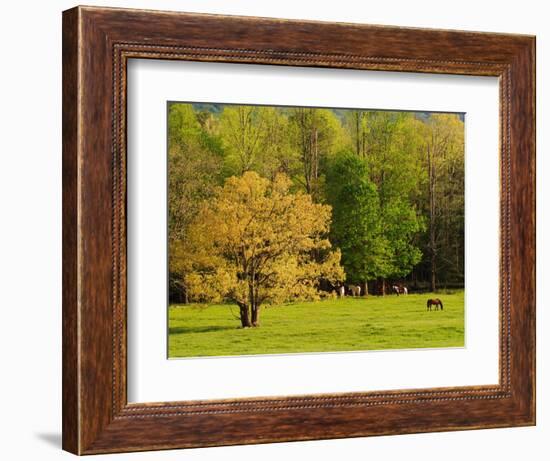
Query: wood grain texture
x=70, y=383
x=97, y=42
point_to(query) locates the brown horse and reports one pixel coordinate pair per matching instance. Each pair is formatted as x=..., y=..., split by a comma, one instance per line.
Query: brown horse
x=434, y=302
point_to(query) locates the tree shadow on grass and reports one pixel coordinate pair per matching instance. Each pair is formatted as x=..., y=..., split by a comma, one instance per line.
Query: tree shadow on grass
x=207, y=329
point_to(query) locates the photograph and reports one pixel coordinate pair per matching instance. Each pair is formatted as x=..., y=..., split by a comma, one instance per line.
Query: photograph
x=313, y=229
x=275, y=230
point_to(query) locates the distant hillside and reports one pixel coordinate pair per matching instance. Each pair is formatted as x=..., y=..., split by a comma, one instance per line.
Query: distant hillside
x=217, y=108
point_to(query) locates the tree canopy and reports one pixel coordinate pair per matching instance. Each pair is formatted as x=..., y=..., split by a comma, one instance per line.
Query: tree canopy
x=357, y=227
x=255, y=242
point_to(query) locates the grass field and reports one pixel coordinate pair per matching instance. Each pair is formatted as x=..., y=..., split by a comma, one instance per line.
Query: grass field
x=348, y=324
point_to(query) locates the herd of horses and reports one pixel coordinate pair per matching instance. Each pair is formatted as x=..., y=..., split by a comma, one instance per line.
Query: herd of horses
x=355, y=290
x=352, y=290
x=398, y=289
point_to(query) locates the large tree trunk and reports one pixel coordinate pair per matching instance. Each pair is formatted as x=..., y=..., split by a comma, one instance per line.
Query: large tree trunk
x=366, y=288
x=253, y=300
x=245, y=317
x=255, y=316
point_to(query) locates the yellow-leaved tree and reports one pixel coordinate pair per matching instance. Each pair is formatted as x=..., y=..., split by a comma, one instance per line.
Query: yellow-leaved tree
x=257, y=243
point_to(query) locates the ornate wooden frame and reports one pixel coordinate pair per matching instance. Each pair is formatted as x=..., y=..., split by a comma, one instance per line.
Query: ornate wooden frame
x=97, y=43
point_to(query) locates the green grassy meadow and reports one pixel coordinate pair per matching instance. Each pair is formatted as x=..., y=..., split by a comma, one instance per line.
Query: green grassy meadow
x=348, y=324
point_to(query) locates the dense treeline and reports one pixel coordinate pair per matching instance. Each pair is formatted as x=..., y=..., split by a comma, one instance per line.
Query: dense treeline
x=394, y=182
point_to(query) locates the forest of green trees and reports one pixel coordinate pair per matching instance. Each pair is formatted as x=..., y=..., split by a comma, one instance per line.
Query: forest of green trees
x=392, y=181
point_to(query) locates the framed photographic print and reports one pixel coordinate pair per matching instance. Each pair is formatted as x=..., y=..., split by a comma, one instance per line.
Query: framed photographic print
x=284, y=230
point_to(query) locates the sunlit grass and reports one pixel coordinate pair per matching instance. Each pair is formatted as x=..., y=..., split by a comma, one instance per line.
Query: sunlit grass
x=349, y=324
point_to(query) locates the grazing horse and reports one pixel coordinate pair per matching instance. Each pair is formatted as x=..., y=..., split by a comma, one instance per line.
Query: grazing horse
x=399, y=289
x=341, y=291
x=355, y=290
x=434, y=302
